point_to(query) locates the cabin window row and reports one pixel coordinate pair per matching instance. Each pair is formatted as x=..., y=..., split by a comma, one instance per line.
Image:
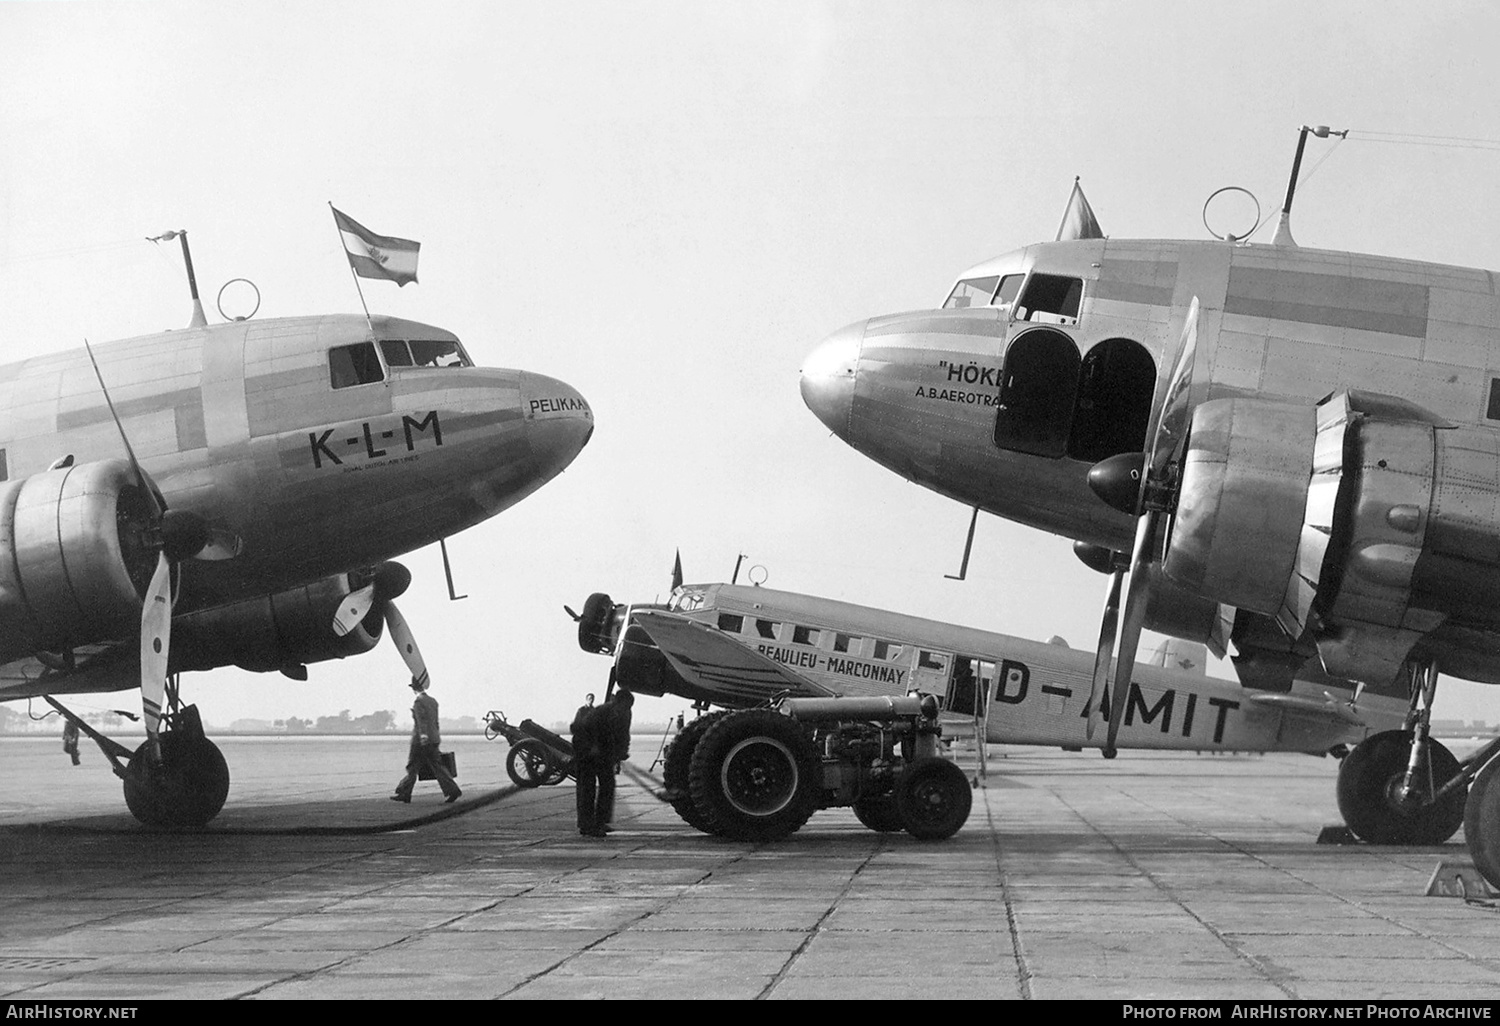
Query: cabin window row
x=811, y=637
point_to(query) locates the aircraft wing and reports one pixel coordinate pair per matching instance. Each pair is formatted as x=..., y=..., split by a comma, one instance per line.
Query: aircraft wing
x=1326, y=706
x=712, y=660
x=89, y=668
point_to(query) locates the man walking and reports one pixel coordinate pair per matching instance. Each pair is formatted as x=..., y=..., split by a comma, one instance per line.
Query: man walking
x=424, y=747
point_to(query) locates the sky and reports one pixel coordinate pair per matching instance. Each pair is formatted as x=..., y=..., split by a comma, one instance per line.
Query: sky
x=667, y=205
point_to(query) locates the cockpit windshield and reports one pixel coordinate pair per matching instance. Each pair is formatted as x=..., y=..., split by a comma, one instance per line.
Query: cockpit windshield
x=418, y=352
x=686, y=599
x=990, y=290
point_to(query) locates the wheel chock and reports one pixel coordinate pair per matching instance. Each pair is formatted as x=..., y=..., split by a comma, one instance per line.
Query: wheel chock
x=1337, y=835
x=1458, y=879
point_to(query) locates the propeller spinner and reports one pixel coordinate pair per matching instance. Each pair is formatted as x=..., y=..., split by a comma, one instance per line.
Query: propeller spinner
x=390, y=581
x=1150, y=479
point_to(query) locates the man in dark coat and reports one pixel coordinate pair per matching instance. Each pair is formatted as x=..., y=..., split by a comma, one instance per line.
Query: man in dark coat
x=423, y=753
x=588, y=765
x=618, y=750
x=601, y=740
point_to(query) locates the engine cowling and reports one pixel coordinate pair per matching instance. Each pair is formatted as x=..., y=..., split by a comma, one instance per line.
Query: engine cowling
x=275, y=632
x=1365, y=521
x=75, y=557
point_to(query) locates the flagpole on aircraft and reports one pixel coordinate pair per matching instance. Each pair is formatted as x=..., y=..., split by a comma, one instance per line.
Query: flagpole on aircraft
x=336, y=227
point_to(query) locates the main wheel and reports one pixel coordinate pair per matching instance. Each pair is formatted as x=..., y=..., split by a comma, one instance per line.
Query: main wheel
x=1482, y=822
x=880, y=814
x=529, y=764
x=933, y=799
x=754, y=776
x=1367, y=792
x=187, y=790
x=676, y=770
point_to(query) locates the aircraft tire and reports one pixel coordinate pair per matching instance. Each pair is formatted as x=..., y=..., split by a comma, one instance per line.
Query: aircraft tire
x=529, y=764
x=1482, y=822
x=187, y=791
x=880, y=814
x=933, y=799
x=754, y=776
x=1365, y=784
x=677, y=767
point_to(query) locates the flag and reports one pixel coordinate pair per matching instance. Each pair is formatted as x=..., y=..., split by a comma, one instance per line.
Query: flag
x=1078, y=220
x=677, y=571
x=376, y=256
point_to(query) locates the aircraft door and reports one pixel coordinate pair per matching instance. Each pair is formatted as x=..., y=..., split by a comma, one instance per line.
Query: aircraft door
x=930, y=674
x=969, y=686
x=1038, y=386
x=1116, y=383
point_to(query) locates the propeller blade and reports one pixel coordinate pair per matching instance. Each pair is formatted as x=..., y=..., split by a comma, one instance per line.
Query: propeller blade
x=156, y=632
x=401, y=635
x=140, y=475
x=1106, y=651
x=1131, y=623
x=354, y=608
x=1171, y=428
x=569, y=610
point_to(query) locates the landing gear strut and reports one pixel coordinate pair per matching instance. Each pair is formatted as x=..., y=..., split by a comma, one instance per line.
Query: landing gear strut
x=184, y=788
x=1404, y=788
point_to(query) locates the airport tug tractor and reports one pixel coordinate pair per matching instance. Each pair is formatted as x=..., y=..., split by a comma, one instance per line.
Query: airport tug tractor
x=758, y=774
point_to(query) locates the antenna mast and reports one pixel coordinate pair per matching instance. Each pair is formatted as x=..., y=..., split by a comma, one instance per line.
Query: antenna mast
x=1284, y=225
x=198, y=319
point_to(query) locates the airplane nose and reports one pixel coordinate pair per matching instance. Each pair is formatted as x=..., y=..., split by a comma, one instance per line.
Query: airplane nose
x=559, y=421
x=828, y=377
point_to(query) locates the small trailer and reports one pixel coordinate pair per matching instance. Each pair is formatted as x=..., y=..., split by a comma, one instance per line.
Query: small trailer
x=537, y=756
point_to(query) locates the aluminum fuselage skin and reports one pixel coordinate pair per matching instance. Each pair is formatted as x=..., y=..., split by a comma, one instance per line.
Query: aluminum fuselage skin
x=921, y=392
x=240, y=424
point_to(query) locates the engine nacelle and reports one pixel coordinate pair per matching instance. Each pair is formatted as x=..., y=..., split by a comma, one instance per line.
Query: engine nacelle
x=1365, y=521
x=1243, y=492
x=75, y=559
x=274, y=632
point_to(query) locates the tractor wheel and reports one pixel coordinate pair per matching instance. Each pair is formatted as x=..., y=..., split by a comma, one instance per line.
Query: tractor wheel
x=1482, y=822
x=933, y=799
x=529, y=764
x=676, y=769
x=187, y=790
x=754, y=776
x=1367, y=792
x=880, y=814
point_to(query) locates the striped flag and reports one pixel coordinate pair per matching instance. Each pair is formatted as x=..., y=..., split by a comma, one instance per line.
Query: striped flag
x=376, y=256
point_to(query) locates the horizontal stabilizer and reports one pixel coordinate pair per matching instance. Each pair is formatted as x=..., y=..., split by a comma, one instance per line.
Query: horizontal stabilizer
x=712, y=660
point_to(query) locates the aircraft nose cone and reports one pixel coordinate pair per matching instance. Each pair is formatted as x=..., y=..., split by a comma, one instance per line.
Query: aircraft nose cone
x=559, y=421
x=828, y=377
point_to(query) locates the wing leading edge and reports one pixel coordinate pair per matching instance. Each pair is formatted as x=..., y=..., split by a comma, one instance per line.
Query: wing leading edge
x=708, y=658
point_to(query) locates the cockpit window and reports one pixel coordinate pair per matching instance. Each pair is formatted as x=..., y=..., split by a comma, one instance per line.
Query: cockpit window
x=419, y=352
x=395, y=352
x=685, y=600
x=1010, y=286
x=427, y=353
x=1052, y=298
x=972, y=292
x=354, y=365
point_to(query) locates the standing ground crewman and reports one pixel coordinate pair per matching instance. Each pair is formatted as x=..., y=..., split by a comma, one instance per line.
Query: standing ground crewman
x=424, y=747
x=617, y=750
